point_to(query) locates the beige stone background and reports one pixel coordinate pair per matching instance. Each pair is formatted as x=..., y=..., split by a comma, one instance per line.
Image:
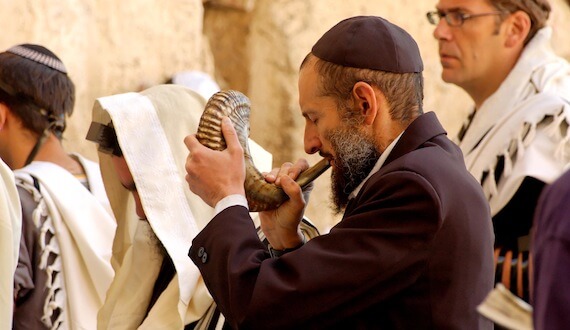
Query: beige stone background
x=254, y=46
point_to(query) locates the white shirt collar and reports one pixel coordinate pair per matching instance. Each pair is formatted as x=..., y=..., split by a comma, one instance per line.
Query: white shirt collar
x=376, y=167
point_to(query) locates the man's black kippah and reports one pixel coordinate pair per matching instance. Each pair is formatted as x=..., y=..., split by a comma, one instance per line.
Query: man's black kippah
x=369, y=42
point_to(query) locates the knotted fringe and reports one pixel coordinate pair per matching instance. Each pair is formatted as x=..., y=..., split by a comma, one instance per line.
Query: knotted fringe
x=518, y=145
x=55, y=298
x=560, y=124
x=530, y=135
x=508, y=169
x=493, y=191
x=554, y=129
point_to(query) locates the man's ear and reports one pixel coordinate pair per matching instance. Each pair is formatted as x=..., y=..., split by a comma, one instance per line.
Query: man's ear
x=518, y=27
x=365, y=101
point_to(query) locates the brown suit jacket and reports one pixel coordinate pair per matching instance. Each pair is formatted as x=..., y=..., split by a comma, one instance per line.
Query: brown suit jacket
x=413, y=251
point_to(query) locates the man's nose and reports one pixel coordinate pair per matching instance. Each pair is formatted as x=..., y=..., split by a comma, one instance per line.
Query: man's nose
x=442, y=30
x=312, y=142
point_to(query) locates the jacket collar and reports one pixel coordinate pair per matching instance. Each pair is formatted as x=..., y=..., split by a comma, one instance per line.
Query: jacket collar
x=422, y=129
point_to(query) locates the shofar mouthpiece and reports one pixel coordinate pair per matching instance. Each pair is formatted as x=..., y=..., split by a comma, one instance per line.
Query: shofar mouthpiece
x=261, y=195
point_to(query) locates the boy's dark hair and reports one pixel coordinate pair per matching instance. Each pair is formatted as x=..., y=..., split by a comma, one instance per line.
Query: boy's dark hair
x=35, y=86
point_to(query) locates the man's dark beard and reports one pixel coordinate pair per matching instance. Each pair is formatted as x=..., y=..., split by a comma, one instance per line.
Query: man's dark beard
x=155, y=243
x=356, y=155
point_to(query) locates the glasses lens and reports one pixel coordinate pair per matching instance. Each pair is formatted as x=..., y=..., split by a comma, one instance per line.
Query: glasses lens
x=454, y=18
x=433, y=17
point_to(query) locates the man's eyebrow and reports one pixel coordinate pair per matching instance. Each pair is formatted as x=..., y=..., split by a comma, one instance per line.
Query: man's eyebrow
x=307, y=113
x=451, y=10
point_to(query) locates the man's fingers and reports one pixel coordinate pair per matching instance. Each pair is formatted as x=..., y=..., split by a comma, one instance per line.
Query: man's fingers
x=190, y=141
x=230, y=135
x=292, y=189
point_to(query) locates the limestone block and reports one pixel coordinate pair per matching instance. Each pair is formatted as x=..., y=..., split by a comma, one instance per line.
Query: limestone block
x=109, y=46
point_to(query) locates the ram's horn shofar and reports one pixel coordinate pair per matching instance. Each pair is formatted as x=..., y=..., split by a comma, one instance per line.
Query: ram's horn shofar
x=261, y=195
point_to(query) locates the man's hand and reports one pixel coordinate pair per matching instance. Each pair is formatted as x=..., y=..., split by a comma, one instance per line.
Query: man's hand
x=281, y=226
x=212, y=174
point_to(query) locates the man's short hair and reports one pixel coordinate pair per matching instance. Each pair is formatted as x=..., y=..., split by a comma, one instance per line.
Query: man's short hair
x=537, y=10
x=373, y=50
x=35, y=86
x=404, y=92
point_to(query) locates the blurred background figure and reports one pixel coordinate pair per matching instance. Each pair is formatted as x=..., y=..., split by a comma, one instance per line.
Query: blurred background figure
x=64, y=265
x=198, y=81
x=551, y=251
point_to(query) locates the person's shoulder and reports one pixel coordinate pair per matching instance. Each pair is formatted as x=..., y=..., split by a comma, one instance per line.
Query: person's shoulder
x=561, y=186
x=437, y=155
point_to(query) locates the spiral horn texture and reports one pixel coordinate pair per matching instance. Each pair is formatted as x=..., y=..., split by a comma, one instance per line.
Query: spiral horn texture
x=261, y=195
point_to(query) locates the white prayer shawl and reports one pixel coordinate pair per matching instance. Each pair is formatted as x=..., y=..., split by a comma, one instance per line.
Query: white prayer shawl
x=526, y=121
x=150, y=128
x=83, y=225
x=10, y=233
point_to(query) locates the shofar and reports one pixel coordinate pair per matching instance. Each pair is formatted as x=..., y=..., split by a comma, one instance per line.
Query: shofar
x=261, y=195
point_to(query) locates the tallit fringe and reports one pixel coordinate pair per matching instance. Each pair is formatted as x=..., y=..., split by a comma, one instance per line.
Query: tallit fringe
x=561, y=149
x=518, y=145
x=55, y=298
x=493, y=191
x=555, y=130
x=530, y=135
x=508, y=163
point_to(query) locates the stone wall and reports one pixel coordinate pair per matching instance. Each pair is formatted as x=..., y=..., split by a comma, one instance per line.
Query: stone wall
x=254, y=46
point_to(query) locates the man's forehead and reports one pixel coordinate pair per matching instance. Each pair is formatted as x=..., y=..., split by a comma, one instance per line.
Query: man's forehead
x=308, y=82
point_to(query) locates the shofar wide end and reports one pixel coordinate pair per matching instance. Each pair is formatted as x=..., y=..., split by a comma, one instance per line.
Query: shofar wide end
x=261, y=195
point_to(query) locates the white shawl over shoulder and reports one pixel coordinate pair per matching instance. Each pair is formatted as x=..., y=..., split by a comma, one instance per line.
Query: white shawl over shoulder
x=150, y=127
x=83, y=225
x=10, y=232
x=525, y=121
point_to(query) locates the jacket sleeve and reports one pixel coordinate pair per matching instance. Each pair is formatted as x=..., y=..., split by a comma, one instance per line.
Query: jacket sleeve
x=377, y=250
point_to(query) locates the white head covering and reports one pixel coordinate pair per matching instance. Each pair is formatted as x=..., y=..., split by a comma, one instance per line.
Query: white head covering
x=10, y=232
x=150, y=127
x=197, y=81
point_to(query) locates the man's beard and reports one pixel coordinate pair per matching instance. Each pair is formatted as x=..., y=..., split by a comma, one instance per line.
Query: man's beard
x=355, y=156
x=155, y=243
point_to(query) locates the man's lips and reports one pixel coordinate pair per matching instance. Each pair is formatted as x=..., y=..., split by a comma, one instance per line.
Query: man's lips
x=446, y=59
x=444, y=55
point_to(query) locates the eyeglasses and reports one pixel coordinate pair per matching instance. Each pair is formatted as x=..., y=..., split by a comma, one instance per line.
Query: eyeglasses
x=455, y=18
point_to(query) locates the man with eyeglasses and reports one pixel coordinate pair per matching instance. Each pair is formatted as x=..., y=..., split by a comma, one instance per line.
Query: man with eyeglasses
x=516, y=139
